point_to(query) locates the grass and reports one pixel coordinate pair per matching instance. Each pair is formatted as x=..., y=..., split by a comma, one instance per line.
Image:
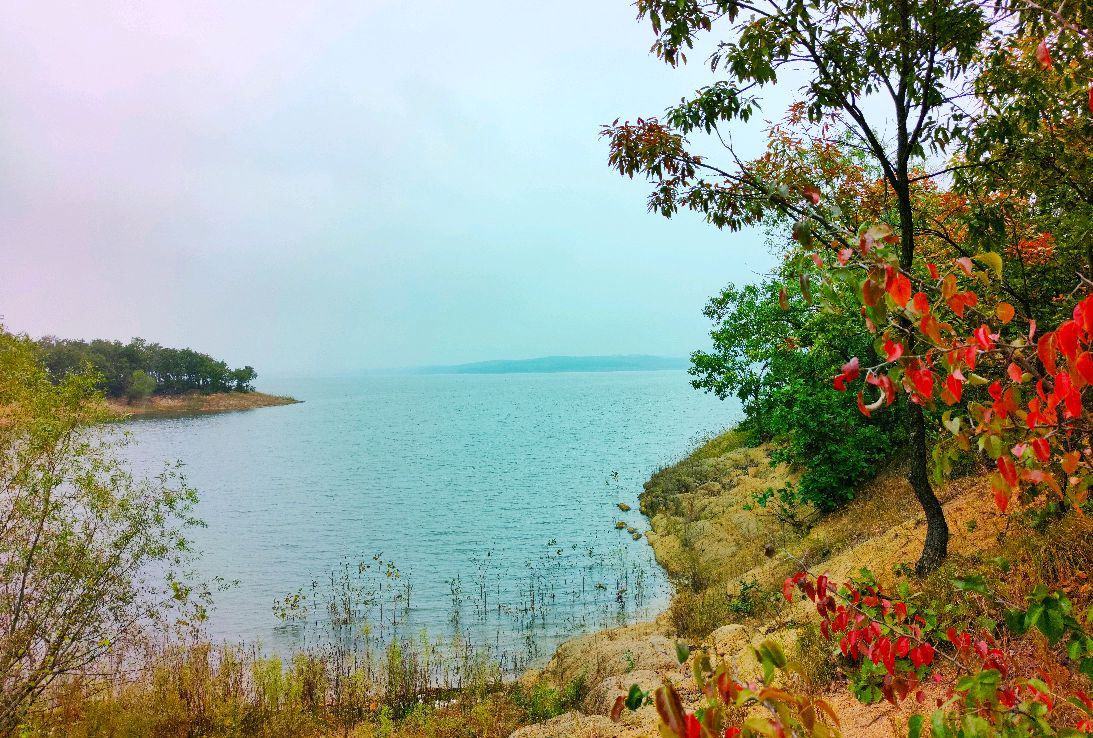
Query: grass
x=224, y=692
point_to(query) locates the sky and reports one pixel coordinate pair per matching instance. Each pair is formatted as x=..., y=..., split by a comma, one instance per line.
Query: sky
x=336, y=186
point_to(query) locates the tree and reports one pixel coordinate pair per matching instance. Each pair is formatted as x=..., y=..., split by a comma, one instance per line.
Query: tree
x=84, y=545
x=243, y=379
x=141, y=385
x=913, y=55
x=174, y=371
x=777, y=352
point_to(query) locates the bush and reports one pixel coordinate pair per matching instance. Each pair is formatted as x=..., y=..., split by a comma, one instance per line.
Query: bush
x=141, y=385
x=87, y=548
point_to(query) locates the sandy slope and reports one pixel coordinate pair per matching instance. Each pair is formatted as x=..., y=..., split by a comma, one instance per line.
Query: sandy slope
x=882, y=528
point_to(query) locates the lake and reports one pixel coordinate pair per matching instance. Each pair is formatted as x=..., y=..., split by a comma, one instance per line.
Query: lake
x=477, y=506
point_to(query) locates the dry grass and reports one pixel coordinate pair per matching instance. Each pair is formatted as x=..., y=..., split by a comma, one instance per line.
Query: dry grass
x=190, y=404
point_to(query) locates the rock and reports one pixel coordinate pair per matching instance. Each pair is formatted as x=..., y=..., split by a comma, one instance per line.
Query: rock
x=601, y=698
x=571, y=725
x=726, y=641
x=616, y=652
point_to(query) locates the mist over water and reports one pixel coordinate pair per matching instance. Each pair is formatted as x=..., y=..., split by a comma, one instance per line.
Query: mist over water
x=494, y=496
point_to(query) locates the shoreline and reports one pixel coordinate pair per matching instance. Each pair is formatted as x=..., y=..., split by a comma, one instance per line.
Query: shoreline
x=194, y=404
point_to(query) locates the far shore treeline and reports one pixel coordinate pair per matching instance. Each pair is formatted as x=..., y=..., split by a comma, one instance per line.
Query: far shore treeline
x=139, y=369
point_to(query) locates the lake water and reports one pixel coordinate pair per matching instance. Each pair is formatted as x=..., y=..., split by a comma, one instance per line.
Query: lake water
x=494, y=497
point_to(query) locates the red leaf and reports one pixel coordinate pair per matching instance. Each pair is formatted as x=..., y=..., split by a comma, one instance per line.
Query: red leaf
x=933, y=271
x=851, y=370
x=617, y=708
x=1014, y=372
x=1008, y=470
x=1067, y=338
x=922, y=303
x=1084, y=365
x=955, y=386
x=1004, y=311
x=1043, y=54
x=872, y=291
x=893, y=350
x=984, y=337
x=812, y=194
x=783, y=299
x=923, y=379
x=930, y=327
x=922, y=654
x=787, y=589
x=862, y=407
x=965, y=265
x=1001, y=498
x=1042, y=449
x=903, y=645
x=1046, y=351
x=1070, y=462
x=900, y=289
x=1073, y=402
x=818, y=261
x=886, y=385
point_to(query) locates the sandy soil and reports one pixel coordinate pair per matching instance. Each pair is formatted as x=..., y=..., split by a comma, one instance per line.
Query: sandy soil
x=196, y=404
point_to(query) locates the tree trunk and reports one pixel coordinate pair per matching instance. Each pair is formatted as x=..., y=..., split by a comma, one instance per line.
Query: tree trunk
x=936, y=547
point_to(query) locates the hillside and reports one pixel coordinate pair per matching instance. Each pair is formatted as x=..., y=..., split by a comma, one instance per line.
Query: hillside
x=710, y=534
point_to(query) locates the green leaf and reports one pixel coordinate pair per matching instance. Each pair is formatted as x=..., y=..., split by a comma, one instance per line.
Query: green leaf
x=938, y=728
x=914, y=726
x=1052, y=624
x=1032, y=616
x=972, y=583
x=683, y=652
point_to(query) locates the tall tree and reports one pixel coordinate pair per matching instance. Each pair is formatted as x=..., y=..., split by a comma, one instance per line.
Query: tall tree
x=895, y=74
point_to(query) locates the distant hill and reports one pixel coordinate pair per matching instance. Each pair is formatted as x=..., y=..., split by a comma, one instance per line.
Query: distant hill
x=554, y=364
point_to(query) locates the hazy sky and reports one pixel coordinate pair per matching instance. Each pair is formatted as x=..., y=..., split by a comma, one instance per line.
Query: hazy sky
x=343, y=185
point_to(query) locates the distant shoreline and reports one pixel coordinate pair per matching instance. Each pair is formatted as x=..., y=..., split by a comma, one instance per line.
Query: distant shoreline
x=195, y=404
x=562, y=364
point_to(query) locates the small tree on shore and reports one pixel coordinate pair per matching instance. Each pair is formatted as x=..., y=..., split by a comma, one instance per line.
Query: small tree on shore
x=141, y=386
x=89, y=554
